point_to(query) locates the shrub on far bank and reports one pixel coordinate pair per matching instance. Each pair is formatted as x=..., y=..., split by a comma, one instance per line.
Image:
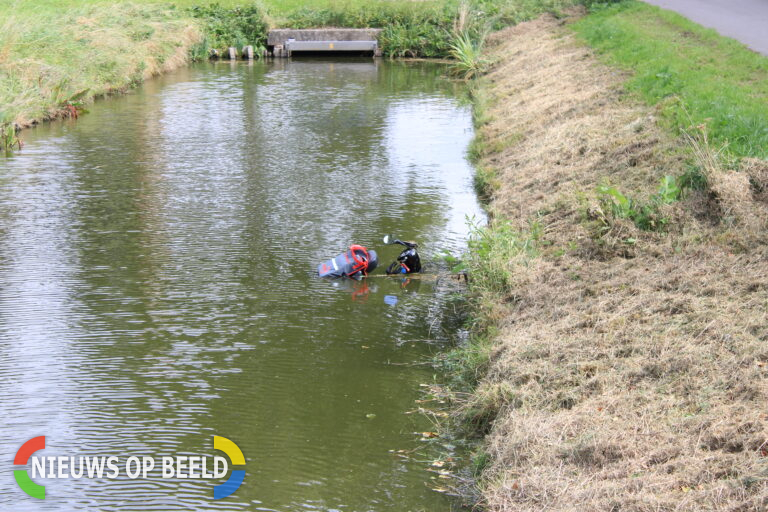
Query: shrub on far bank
x=233, y=26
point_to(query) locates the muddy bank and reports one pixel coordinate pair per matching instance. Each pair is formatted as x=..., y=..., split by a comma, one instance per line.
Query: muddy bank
x=624, y=365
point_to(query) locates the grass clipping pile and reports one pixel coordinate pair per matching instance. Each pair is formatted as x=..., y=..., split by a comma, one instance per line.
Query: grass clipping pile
x=629, y=368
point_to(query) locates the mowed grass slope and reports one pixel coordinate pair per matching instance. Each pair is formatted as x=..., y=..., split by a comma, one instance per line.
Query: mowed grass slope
x=620, y=365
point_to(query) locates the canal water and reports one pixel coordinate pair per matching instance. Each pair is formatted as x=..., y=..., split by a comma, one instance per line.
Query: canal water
x=157, y=287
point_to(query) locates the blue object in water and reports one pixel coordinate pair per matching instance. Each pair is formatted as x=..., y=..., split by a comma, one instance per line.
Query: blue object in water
x=390, y=299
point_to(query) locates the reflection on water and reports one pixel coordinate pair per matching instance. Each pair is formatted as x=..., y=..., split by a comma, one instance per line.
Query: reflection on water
x=156, y=284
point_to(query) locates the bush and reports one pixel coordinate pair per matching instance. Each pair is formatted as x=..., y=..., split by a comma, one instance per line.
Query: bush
x=236, y=26
x=408, y=29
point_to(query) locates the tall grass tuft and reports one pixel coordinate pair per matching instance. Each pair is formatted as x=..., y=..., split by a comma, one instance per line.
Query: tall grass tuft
x=9, y=138
x=710, y=161
x=494, y=250
x=467, y=51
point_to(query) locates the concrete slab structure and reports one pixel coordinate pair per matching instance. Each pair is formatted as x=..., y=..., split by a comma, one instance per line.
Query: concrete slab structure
x=281, y=42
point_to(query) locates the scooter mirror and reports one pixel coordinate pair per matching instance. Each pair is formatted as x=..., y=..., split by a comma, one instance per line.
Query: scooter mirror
x=388, y=239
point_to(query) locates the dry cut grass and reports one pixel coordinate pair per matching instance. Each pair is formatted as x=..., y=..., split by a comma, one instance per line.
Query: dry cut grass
x=630, y=369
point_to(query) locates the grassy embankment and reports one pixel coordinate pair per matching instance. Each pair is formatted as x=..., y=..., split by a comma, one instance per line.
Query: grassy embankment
x=52, y=60
x=619, y=359
x=56, y=55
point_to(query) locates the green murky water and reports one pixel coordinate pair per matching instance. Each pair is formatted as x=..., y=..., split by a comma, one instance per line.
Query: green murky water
x=157, y=288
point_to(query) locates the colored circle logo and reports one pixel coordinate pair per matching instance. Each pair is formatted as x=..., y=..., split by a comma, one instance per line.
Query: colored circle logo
x=238, y=475
x=21, y=475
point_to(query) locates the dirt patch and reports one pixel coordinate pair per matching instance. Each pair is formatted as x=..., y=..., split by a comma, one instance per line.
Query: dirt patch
x=636, y=362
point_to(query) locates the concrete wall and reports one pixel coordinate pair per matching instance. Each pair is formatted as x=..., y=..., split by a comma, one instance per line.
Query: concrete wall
x=280, y=36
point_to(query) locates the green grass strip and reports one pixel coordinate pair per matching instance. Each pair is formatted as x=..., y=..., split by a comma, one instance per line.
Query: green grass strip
x=698, y=76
